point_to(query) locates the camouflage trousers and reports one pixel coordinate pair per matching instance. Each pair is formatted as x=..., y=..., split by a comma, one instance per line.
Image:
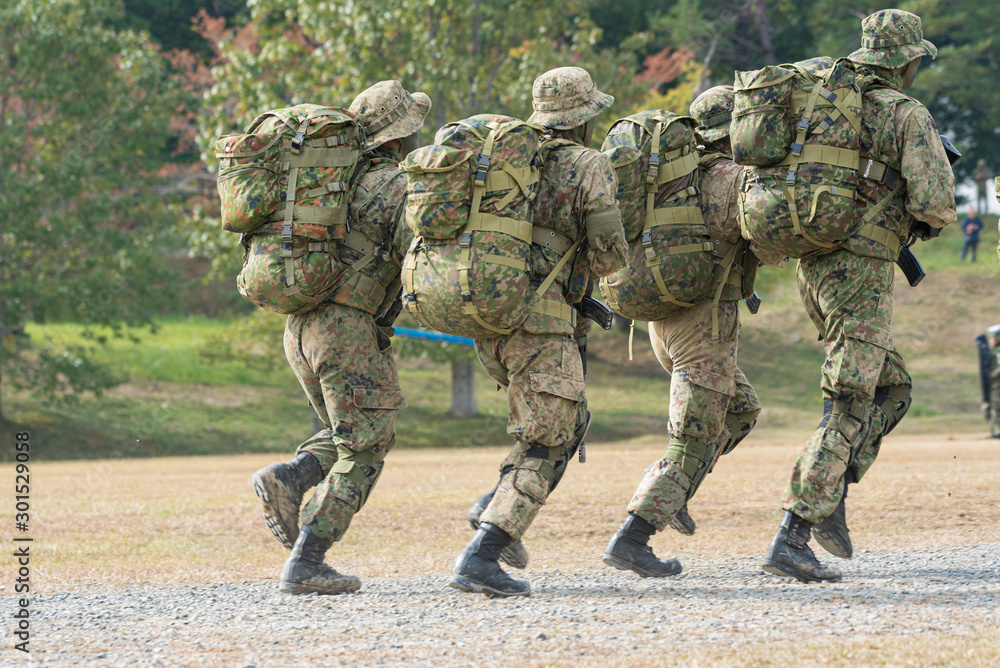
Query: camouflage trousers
x=712, y=406
x=346, y=367
x=865, y=384
x=543, y=376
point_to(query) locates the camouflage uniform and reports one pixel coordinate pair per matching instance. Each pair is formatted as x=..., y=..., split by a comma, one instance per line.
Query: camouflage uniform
x=712, y=406
x=539, y=364
x=342, y=358
x=849, y=293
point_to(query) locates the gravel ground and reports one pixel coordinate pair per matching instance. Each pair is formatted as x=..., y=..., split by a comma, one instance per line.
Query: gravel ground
x=574, y=615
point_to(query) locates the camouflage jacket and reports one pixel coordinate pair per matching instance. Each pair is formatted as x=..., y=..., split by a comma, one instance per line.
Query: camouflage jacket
x=575, y=182
x=900, y=132
x=721, y=183
x=376, y=211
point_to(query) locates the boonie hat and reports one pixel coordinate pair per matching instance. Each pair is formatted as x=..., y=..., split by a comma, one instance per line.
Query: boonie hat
x=713, y=110
x=387, y=111
x=891, y=38
x=565, y=98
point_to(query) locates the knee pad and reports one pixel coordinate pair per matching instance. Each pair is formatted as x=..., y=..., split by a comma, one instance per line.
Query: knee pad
x=694, y=457
x=894, y=401
x=739, y=425
x=354, y=475
x=849, y=417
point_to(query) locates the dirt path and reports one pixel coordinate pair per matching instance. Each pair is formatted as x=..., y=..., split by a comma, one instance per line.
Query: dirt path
x=166, y=562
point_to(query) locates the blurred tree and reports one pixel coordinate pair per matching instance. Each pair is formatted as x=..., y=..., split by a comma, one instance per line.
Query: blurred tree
x=84, y=116
x=169, y=22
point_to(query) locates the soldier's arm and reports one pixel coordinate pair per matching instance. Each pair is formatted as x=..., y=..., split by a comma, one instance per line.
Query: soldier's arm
x=930, y=182
x=606, y=246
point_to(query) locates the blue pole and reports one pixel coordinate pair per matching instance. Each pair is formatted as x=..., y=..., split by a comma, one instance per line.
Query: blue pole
x=432, y=336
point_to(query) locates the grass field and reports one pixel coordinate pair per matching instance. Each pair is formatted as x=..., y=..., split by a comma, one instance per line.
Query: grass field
x=179, y=402
x=118, y=524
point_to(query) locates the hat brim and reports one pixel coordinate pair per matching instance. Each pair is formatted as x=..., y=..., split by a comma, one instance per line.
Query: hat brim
x=894, y=56
x=567, y=119
x=405, y=126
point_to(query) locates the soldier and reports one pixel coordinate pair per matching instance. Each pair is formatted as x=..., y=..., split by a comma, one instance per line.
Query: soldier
x=343, y=359
x=848, y=295
x=539, y=364
x=712, y=405
x=993, y=408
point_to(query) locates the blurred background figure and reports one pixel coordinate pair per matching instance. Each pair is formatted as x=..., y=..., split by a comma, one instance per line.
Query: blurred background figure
x=971, y=225
x=981, y=176
x=989, y=376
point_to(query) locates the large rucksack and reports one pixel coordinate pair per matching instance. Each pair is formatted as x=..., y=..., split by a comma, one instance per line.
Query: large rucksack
x=468, y=271
x=285, y=186
x=797, y=128
x=670, y=265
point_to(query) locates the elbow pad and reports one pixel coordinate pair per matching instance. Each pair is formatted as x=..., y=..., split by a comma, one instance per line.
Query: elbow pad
x=606, y=241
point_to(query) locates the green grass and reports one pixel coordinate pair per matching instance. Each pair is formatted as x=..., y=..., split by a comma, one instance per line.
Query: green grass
x=179, y=402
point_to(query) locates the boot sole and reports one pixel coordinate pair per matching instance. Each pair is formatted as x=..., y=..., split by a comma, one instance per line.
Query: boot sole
x=831, y=544
x=267, y=492
x=774, y=568
x=463, y=583
x=622, y=565
x=290, y=588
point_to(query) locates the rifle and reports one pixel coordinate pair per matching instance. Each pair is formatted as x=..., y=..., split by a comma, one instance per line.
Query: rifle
x=389, y=315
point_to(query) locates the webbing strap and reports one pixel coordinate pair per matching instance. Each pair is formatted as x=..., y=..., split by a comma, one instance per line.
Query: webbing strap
x=875, y=210
x=286, y=233
x=327, y=216
x=486, y=222
x=359, y=242
x=482, y=167
x=410, y=295
x=675, y=169
x=327, y=188
x=550, y=239
x=674, y=215
x=367, y=286
x=842, y=106
x=567, y=256
x=828, y=155
x=556, y=309
x=803, y=125
x=503, y=260
x=832, y=190
x=727, y=264
x=322, y=157
x=653, y=171
x=881, y=235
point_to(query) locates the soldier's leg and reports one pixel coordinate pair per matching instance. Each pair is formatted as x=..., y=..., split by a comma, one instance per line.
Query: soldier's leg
x=545, y=394
x=360, y=389
x=702, y=383
x=281, y=486
x=849, y=298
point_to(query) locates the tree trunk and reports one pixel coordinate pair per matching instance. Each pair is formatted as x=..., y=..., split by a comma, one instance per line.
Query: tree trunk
x=764, y=30
x=463, y=389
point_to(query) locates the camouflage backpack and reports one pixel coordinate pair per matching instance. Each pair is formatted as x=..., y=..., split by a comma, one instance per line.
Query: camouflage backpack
x=285, y=186
x=671, y=266
x=468, y=271
x=797, y=129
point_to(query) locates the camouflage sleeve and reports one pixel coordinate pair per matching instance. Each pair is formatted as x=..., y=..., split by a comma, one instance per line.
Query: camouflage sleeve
x=930, y=182
x=402, y=235
x=606, y=246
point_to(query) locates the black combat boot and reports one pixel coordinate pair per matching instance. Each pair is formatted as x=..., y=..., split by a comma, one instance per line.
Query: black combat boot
x=280, y=487
x=790, y=556
x=476, y=568
x=832, y=533
x=682, y=522
x=514, y=555
x=628, y=551
x=305, y=572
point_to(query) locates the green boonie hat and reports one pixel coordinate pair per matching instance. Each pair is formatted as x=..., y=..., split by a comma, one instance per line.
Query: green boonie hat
x=387, y=111
x=565, y=98
x=892, y=38
x=714, y=111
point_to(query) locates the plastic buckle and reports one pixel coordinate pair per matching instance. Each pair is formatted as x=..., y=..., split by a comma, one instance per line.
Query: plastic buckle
x=803, y=124
x=465, y=240
x=647, y=239
x=654, y=168
x=467, y=296
x=482, y=166
x=297, y=142
x=790, y=179
x=796, y=148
